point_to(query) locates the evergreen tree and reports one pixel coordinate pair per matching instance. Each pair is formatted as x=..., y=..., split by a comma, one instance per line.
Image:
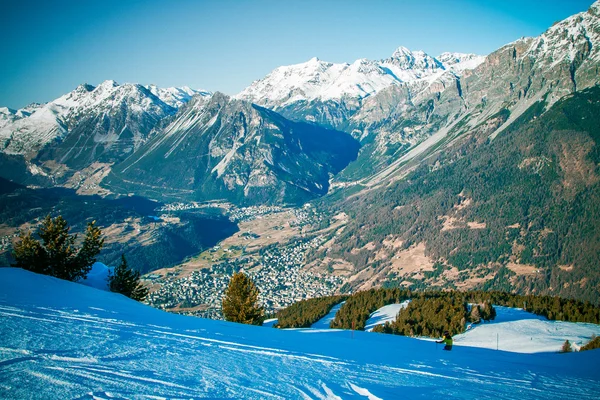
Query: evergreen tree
x=487, y=311
x=56, y=255
x=127, y=281
x=475, y=314
x=240, y=302
x=566, y=348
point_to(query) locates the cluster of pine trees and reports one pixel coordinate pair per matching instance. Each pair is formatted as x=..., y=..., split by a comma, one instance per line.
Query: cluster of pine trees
x=436, y=311
x=431, y=314
x=55, y=253
x=358, y=307
x=306, y=312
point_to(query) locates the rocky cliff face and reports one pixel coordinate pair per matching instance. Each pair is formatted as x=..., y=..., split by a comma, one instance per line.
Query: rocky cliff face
x=225, y=148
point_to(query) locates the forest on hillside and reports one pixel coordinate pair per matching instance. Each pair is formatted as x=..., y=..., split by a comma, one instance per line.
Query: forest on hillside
x=534, y=191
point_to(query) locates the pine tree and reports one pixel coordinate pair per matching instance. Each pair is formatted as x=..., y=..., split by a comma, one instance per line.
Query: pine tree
x=475, y=317
x=566, y=347
x=487, y=312
x=594, y=343
x=56, y=254
x=240, y=302
x=126, y=281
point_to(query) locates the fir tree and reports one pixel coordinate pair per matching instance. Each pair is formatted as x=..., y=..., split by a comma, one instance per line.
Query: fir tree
x=475, y=314
x=240, y=302
x=126, y=281
x=56, y=255
x=566, y=347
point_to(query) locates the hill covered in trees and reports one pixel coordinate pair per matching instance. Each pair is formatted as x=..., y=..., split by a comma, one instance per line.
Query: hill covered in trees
x=530, y=198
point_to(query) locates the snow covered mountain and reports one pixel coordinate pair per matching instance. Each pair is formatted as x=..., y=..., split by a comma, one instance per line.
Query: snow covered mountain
x=73, y=341
x=320, y=80
x=89, y=125
x=228, y=148
x=176, y=97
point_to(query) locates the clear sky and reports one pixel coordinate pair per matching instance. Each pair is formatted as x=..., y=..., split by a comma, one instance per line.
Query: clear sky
x=50, y=47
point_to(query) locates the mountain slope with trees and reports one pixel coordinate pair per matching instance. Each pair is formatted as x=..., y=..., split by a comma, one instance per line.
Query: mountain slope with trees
x=528, y=197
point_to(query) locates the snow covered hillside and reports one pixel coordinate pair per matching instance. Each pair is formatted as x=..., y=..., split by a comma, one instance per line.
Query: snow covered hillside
x=523, y=332
x=385, y=314
x=65, y=340
x=513, y=329
x=29, y=129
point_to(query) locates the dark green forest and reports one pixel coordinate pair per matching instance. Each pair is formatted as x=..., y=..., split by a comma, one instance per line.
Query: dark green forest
x=306, y=312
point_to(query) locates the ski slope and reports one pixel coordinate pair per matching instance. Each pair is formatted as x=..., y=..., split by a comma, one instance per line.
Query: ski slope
x=324, y=322
x=385, y=314
x=63, y=340
x=520, y=331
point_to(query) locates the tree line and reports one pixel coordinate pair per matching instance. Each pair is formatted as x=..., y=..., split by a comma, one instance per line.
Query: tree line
x=432, y=316
x=306, y=312
x=436, y=311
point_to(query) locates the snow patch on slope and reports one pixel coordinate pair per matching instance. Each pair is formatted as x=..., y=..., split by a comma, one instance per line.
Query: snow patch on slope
x=385, y=314
x=520, y=331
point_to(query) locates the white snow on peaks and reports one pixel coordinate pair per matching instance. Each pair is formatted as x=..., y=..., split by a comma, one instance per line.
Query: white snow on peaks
x=575, y=37
x=176, y=96
x=316, y=79
x=29, y=129
x=458, y=62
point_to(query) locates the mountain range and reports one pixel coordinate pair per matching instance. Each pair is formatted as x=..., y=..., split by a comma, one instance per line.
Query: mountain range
x=484, y=166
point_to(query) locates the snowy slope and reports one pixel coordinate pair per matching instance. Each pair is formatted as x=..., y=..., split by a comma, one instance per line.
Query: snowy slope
x=176, y=96
x=316, y=79
x=519, y=331
x=98, y=276
x=385, y=314
x=324, y=322
x=64, y=340
x=513, y=330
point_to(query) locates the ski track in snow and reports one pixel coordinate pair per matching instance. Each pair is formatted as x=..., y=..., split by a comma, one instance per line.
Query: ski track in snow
x=88, y=344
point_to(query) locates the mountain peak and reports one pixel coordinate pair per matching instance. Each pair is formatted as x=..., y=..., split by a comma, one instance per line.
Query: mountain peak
x=406, y=59
x=401, y=52
x=108, y=84
x=85, y=88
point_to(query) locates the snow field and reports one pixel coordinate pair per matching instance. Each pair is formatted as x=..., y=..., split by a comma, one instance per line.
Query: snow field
x=61, y=340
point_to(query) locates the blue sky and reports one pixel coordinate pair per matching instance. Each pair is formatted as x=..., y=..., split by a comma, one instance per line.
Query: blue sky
x=50, y=47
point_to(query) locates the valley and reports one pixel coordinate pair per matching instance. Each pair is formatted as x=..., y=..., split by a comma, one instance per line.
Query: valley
x=456, y=171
